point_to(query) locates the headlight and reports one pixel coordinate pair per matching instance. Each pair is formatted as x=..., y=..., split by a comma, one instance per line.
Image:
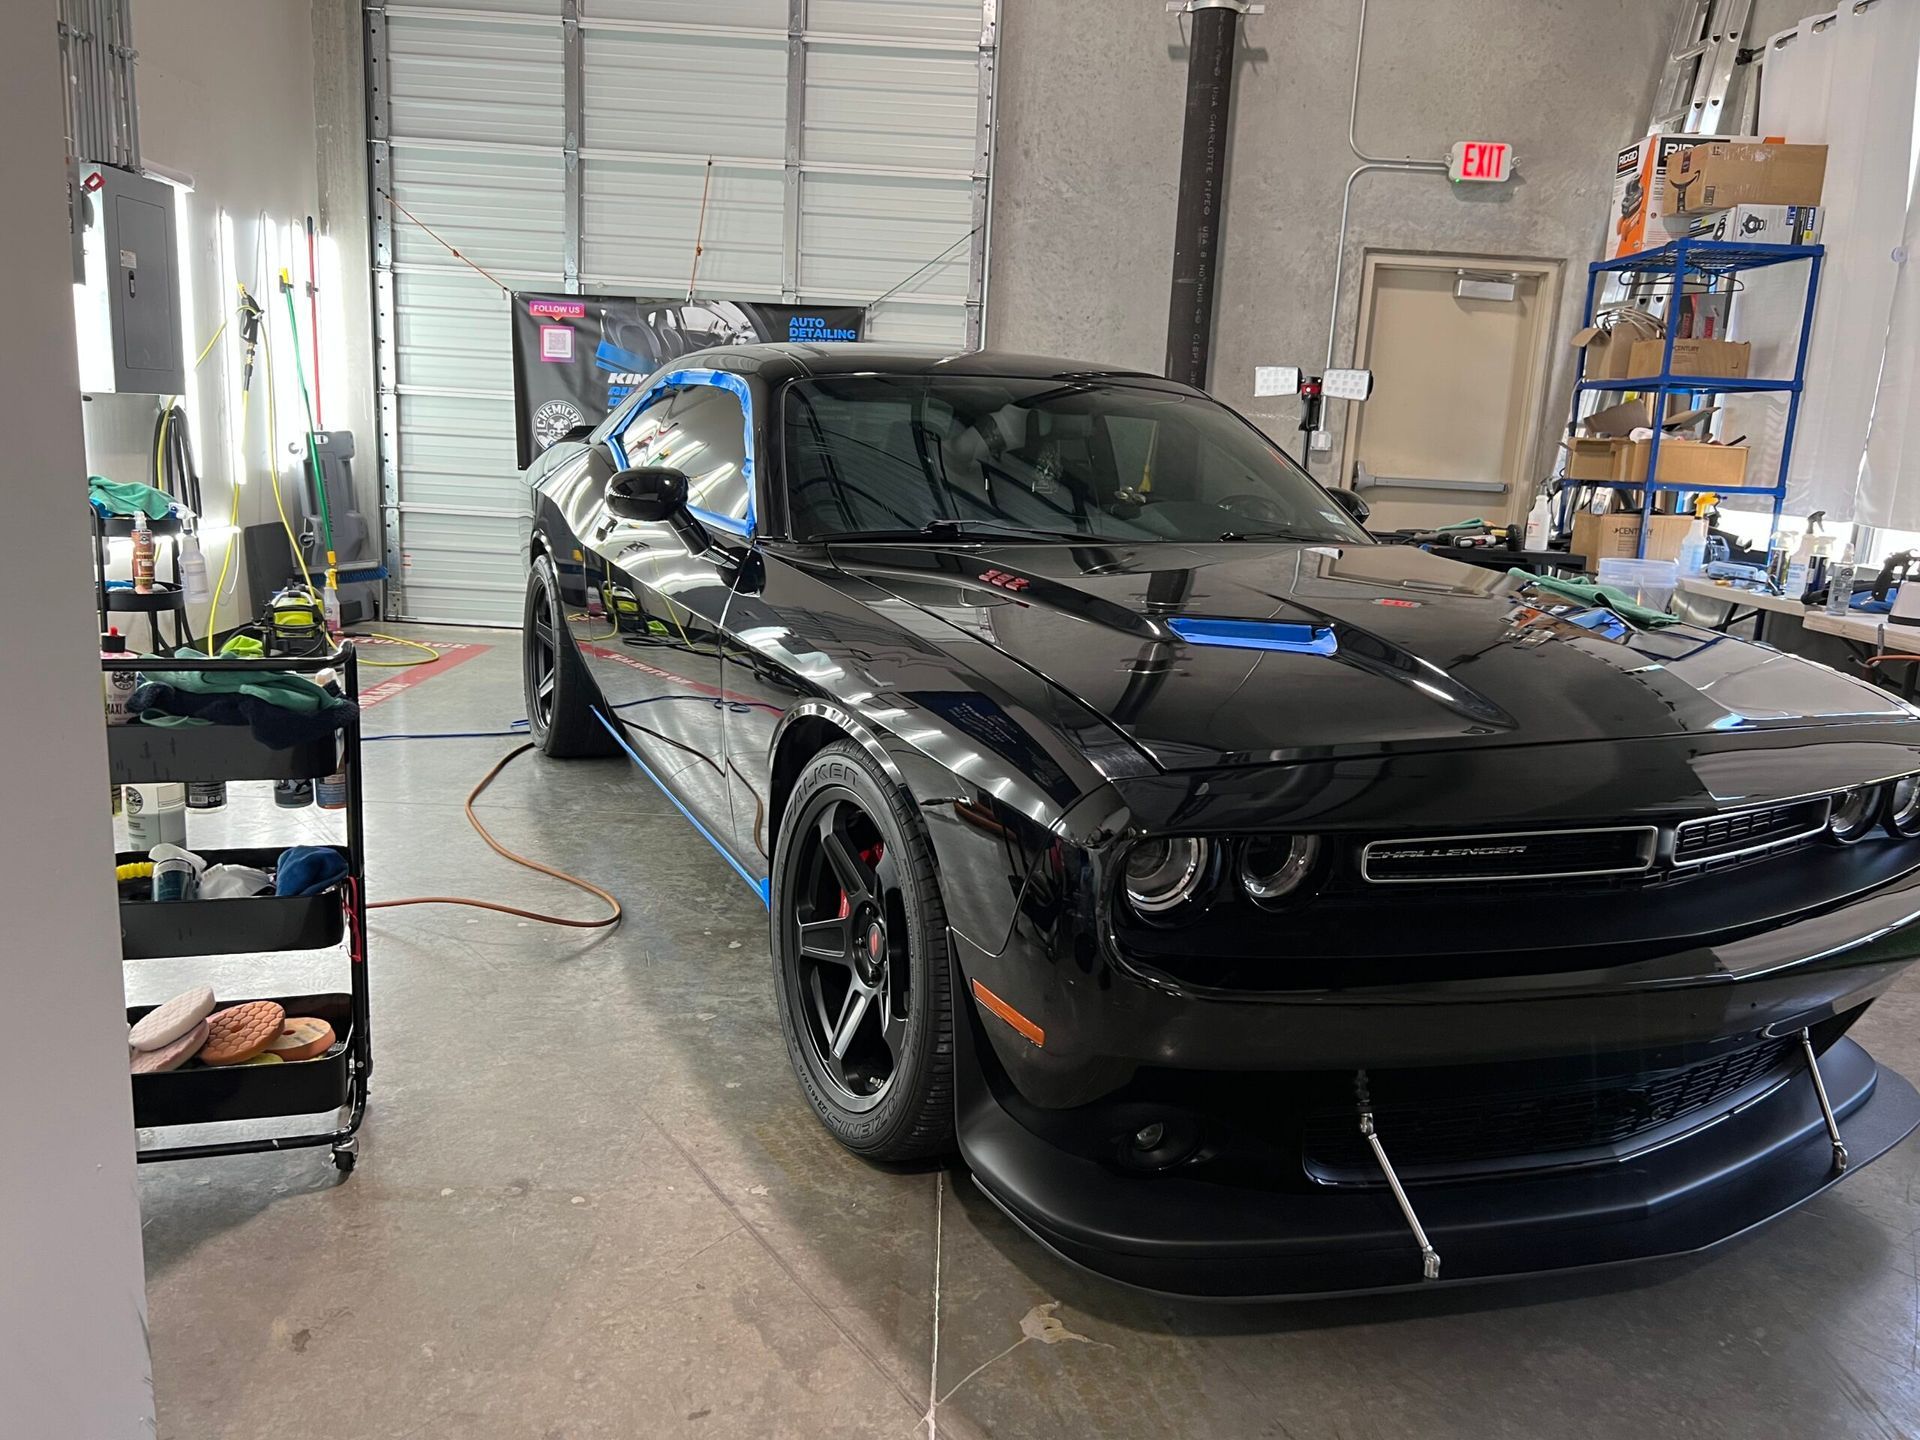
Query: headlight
x=1854, y=812
x=1274, y=866
x=1903, y=810
x=1161, y=874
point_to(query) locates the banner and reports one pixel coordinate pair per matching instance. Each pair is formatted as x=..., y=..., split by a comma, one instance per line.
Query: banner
x=575, y=357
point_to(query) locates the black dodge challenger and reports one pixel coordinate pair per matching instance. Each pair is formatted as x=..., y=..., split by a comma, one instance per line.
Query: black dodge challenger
x=1261, y=911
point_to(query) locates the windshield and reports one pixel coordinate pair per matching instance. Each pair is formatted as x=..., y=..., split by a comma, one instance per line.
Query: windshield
x=1048, y=459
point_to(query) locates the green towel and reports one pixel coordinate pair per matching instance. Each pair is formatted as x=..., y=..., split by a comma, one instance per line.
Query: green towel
x=275, y=687
x=125, y=497
x=1587, y=592
x=1476, y=523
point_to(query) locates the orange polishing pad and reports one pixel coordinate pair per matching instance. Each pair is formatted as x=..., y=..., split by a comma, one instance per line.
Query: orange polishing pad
x=241, y=1032
x=301, y=1038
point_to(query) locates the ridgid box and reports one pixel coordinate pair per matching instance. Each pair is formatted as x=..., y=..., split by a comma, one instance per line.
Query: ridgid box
x=1721, y=174
x=1642, y=191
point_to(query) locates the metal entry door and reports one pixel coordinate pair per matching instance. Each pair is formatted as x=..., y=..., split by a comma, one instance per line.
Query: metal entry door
x=843, y=147
x=1459, y=347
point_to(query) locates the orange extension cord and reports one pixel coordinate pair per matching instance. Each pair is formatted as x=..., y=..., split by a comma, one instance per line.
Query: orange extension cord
x=502, y=851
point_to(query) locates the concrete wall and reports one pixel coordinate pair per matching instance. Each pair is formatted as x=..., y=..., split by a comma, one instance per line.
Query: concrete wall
x=227, y=96
x=73, y=1345
x=1087, y=167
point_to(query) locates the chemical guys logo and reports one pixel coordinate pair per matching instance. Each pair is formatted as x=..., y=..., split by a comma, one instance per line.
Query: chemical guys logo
x=554, y=419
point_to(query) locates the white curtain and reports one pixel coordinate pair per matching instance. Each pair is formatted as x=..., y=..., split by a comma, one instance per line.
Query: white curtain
x=1849, y=82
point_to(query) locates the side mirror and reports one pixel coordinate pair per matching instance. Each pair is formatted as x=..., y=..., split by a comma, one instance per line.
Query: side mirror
x=650, y=494
x=1350, y=501
x=577, y=432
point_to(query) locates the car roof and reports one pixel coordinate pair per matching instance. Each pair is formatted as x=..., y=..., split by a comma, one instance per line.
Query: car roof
x=780, y=362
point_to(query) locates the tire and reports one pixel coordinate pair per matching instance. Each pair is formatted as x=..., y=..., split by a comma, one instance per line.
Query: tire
x=557, y=692
x=853, y=878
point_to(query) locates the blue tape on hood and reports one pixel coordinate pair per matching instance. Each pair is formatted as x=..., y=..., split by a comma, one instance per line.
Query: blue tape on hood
x=1292, y=637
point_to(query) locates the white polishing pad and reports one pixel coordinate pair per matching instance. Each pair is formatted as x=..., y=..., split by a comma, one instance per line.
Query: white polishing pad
x=171, y=1020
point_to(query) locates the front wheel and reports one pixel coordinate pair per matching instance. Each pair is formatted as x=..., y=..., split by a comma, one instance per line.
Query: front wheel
x=860, y=960
x=560, y=716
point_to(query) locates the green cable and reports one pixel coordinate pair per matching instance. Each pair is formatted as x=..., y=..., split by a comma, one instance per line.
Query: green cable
x=313, y=449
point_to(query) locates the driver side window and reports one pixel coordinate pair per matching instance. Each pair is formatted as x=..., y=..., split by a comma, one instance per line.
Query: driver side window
x=699, y=430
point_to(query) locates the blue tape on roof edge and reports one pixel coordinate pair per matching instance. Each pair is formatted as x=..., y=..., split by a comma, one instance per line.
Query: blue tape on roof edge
x=721, y=379
x=1289, y=636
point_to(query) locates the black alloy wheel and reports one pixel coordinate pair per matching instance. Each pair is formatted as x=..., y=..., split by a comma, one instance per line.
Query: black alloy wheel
x=860, y=960
x=560, y=716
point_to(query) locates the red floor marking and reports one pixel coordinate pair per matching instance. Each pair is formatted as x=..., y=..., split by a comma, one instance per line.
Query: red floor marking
x=452, y=653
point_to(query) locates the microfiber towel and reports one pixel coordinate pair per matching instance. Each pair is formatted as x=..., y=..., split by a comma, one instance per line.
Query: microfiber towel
x=308, y=870
x=1586, y=592
x=275, y=687
x=163, y=703
x=126, y=497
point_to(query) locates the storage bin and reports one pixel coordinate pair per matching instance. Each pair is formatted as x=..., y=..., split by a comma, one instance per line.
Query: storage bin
x=1649, y=582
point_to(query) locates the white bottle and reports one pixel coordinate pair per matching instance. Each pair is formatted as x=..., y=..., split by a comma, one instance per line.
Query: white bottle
x=1840, y=583
x=119, y=685
x=156, y=814
x=1539, y=521
x=193, y=571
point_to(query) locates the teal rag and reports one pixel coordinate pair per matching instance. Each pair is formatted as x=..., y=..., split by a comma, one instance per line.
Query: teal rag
x=1586, y=592
x=125, y=497
x=274, y=687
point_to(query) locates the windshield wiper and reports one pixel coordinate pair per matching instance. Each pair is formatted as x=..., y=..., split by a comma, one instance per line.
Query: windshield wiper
x=1293, y=536
x=946, y=528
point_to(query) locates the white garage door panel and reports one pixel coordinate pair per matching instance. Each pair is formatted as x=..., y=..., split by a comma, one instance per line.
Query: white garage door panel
x=563, y=156
x=872, y=106
x=683, y=95
x=955, y=20
x=452, y=332
x=640, y=222
x=467, y=81
x=862, y=234
x=506, y=209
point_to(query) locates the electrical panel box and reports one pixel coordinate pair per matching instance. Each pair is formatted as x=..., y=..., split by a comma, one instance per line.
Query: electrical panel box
x=128, y=306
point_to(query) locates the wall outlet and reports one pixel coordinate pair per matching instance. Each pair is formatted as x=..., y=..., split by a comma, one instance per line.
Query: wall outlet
x=1322, y=441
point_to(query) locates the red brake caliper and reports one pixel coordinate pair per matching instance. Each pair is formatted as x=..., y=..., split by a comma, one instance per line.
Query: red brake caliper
x=871, y=855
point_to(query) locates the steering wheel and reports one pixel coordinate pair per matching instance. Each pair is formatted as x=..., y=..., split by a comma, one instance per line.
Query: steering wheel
x=1254, y=506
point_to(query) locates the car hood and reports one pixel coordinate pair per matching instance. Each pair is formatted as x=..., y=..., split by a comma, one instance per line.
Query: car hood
x=1351, y=650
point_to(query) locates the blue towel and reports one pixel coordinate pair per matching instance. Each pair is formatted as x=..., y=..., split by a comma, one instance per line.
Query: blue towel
x=308, y=870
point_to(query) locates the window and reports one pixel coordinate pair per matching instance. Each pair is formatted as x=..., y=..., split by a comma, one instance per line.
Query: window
x=699, y=430
x=1109, y=460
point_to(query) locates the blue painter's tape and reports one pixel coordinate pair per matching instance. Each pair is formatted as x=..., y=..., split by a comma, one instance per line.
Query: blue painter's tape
x=1256, y=635
x=724, y=380
x=762, y=888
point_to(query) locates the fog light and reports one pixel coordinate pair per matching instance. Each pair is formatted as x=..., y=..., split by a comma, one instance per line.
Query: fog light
x=1903, y=809
x=1148, y=1137
x=1854, y=812
x=1274, y=866
x=1161, y=874
x=1160, y=1145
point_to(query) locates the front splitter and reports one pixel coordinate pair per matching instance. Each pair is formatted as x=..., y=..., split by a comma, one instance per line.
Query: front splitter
x=1186, y=1237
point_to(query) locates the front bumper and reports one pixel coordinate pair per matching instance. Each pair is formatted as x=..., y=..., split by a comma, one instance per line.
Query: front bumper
x=1038, y=1122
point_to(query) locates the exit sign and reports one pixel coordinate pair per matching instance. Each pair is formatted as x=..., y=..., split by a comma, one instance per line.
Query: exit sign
x=1489, y=160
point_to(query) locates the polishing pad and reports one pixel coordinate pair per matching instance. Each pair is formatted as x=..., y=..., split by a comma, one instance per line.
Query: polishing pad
x=173, y=1055
x=301, y=1038
x=167, y=1023
x=241, y=1032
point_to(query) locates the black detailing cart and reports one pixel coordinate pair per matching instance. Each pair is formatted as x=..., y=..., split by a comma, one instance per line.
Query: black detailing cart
x=333, y=1081
x=168, y=597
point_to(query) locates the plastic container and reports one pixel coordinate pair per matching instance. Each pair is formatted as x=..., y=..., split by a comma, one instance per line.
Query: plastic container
x=1539, y=524
x=206, y=794
x=1840, y=583
x=330, y=793
x=1648, y=582
x=1693, y=549
x=156, y=814
x=193, y=572
x=119, y=685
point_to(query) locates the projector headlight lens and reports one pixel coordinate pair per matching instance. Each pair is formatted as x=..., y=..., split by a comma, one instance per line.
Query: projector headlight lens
x=1854, y=812
x=1160, y=874
x=1275, y=866
x=1903, y=809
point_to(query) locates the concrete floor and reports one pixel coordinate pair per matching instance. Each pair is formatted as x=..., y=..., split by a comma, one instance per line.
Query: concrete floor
x=591, y=1203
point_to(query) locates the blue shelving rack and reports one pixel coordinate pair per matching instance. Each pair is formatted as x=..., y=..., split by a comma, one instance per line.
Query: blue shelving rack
x=1715, y=261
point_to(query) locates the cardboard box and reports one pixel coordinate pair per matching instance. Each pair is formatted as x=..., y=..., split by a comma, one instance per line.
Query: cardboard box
x=1717, y=359
x=1641, y=191
x=1609, y=345
x=1751, y=224
x=1590, y=458
x=1722, y=174
x=1617, y=537
x=1693, y=463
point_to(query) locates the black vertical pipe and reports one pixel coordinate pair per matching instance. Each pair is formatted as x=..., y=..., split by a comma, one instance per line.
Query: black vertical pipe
x=1203, y=170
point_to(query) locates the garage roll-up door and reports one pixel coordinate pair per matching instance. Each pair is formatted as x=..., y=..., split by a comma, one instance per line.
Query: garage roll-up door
x=843, y=147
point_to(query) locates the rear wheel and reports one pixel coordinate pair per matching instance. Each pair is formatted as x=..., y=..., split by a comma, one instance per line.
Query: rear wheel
x=860, y=960
x=560, y=716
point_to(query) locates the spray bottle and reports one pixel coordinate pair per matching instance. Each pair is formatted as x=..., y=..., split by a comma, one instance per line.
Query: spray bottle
x=193, y=572
x=1840, y=582
x=142, y=556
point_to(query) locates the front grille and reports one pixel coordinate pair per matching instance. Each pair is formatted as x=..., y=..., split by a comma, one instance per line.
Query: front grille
x=1723, y=836
x=1528, y=855
x=1452, y=1133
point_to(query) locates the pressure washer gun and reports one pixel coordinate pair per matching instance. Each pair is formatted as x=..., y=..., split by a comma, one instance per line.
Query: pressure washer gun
x=250, y=317
x=332, y=600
